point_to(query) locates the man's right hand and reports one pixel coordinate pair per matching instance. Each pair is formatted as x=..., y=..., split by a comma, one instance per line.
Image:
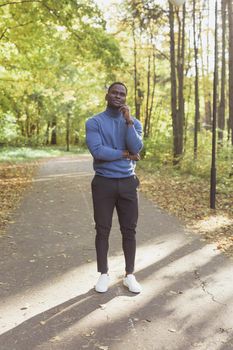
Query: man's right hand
x=135, y=157
x=127, y=155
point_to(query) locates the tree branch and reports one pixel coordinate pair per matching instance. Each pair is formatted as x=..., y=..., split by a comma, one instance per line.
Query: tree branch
x=3, y=33
x=20, y=25
x=162, y=54
x=18, y=2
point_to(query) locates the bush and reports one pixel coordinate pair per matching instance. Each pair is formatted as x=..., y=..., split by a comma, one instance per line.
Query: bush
x=9, y=130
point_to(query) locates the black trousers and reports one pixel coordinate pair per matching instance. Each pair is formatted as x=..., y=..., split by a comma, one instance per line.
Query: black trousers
x=107, y=194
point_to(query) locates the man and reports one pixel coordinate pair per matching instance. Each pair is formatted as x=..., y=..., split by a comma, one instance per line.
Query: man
x=114, y=139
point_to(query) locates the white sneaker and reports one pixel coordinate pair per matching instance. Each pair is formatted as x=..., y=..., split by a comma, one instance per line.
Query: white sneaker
x=131, y=282
x=102, y=283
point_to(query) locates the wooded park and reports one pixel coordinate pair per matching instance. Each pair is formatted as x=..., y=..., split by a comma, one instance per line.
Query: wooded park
x=57, y=59
x=173, y=61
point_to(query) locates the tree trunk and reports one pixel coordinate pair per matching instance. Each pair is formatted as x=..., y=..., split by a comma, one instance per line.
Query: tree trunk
x=136, y=82
x=146, y=124
x=173, y=82
x=221, y=110
x=230, y=14
x=205, y=75
x=214, y=120
x=47, y=134
x=54, y=131
x=153, y=93
x=197, y=103
x=27, y=124
x=68, y=131
x=180, y=76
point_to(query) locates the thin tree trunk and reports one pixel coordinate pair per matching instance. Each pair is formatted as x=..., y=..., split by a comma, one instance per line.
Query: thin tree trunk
x=137, y=107
x=153, y=93
x=221, y=111
x=197, y=104
x=54, y=131
x=230, y=14
x=147, y=96
x=189, y=93
x=173, y=82
x=214, y=121
x=205, y=75
x=180, y=74
x=68, y=131
x=27, y=124
x=181, y=99
x=47, y=134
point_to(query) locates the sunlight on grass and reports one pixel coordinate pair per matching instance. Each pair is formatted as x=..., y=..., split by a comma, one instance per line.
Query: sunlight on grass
x=29, y=154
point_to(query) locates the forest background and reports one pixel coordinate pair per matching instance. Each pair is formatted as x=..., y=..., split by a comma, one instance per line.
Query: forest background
x=57, y=59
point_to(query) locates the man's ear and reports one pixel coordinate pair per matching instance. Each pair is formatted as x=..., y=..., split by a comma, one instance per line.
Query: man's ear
x=106, y=97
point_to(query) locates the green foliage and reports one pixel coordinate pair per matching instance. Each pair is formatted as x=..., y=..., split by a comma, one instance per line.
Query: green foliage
x=9, y=130
x=159, y=158
x=52, y=56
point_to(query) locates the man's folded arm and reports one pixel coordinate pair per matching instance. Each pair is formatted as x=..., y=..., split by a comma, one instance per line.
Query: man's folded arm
x=94, y=144
x=134, y=137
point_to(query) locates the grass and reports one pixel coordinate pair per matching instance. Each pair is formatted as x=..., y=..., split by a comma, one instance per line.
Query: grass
x=28, y=154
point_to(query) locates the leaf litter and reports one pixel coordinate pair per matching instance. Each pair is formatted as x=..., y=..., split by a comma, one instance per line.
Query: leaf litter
x=188, y=199
x=14, y=179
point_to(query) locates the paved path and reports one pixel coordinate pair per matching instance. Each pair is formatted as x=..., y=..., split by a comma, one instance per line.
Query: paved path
x=48, y=270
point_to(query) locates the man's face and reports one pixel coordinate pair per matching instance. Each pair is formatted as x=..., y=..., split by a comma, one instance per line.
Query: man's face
x=116, y=96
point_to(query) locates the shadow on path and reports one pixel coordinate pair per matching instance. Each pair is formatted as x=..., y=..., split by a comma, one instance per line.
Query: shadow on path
x=186, y=302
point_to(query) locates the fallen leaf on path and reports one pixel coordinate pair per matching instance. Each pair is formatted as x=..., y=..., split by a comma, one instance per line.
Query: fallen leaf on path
x=90, y=334
x=172, y=292
x=172, y=330
x=25, y=307
x=54, y=339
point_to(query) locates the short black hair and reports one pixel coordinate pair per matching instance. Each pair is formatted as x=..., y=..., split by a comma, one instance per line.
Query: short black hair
x=117, y=83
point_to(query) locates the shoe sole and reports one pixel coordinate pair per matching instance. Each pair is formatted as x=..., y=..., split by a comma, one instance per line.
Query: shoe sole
x=101, y=291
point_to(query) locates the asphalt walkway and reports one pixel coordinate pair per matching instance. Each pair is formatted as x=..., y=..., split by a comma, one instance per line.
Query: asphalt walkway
x=48, y=270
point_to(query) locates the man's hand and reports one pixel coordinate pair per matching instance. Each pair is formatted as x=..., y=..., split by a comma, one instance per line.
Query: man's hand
x=135, y=157
x=127, y=155
x=126, y=114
